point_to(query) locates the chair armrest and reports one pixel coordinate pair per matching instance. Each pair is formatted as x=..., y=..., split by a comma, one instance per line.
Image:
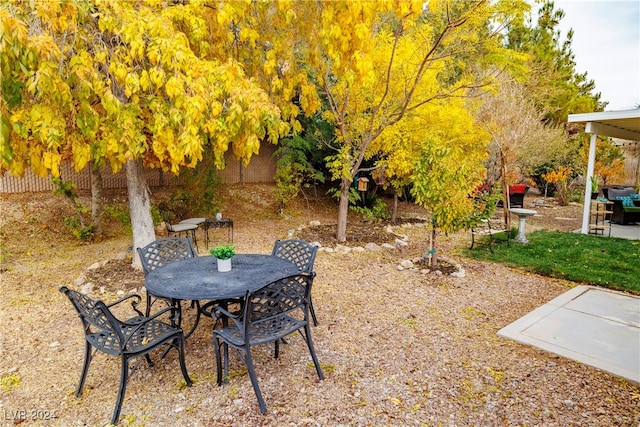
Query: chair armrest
x=136, y=296
x=174, y=312
x=219, y=312
x=134, y=304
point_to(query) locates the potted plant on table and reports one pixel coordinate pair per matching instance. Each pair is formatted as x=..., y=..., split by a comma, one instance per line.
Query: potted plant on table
x=595, y=181
x=223, y=253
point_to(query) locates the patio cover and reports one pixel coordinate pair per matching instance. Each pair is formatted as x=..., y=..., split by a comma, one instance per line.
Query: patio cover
x=623, y=124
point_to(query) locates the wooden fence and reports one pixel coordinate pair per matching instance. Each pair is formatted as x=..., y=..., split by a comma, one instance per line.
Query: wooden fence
x=262, y=168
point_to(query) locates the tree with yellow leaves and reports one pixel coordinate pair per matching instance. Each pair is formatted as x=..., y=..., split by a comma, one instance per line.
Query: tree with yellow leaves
x=609, y=164
x=123, y=83
x=559, y=178
x=387, y=66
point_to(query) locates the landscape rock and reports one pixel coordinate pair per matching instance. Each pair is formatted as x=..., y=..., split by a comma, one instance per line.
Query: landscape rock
x=372, y=247
x=401, y=243
x=343, y=249
x=87, y=288
x=459, y=274
x=407, y=263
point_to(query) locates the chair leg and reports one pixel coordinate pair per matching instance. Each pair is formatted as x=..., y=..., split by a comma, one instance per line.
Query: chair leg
x=313, y=313
x=124, y=377
x=225, y=359
x=85, y=368
x=183, y=364
x=312, y=350
x=147, y=311
x=195, y=241
x=217, y=349
x=254, y=381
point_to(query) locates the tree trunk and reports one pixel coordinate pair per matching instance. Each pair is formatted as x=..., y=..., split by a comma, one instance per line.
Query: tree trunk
x=505, y=191
x=343, y=209
x=394, y=211
x=433, y=253
x=96, y=200
x=139, y=208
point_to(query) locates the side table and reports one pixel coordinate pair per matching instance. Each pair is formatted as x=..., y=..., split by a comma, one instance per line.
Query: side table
x=601, y=211
x=218, y=223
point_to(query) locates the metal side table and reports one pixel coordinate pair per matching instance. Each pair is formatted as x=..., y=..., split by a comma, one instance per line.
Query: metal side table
x=210, y=223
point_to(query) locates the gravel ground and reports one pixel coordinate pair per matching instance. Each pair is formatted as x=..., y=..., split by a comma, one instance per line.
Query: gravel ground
x=398, y=348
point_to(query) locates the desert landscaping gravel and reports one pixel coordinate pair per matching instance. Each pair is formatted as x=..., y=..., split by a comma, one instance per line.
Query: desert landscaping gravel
x=398, y=346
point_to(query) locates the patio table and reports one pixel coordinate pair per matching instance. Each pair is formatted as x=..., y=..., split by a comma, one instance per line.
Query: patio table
x=211, y=223
x=197, y=279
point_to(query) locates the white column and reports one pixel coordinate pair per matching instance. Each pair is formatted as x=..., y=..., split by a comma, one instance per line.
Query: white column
x=587, y=187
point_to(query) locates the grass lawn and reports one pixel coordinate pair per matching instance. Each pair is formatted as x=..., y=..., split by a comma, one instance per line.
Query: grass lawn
x=608, y=262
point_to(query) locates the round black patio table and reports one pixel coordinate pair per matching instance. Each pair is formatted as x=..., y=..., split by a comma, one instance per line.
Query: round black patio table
x=197, y=279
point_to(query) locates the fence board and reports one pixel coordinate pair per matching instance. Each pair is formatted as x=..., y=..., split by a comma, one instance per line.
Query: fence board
x=261, y=169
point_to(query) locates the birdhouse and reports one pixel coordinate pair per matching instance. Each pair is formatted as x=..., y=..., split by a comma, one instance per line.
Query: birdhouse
x=362, y=184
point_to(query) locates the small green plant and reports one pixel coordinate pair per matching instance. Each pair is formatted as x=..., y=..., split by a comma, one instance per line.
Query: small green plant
x=595, y=181
x=354, y=196
x=11, y=381
x=295, y=170
x=75, y=223
x=223, y=251
x=4, y=254
x=377, y=212
x=78, y=229
x=118, y=212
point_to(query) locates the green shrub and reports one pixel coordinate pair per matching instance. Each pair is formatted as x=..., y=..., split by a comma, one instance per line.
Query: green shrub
x=119, y=213
x=377, y=212
x=75, y=223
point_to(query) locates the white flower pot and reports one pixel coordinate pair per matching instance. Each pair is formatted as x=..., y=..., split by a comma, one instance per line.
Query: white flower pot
x=224, y=265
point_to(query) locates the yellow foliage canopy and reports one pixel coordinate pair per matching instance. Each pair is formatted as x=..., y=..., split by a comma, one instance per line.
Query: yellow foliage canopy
x=134, y=81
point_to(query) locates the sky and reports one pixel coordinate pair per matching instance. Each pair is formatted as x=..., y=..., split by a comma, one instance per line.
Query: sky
x=606, y=44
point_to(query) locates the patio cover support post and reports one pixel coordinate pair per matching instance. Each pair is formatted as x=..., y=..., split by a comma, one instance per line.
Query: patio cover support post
x=587, y=187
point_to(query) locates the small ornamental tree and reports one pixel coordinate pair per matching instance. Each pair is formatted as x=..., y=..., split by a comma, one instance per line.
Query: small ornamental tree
x=559, y=178
x=449, y=169
x=609, y=163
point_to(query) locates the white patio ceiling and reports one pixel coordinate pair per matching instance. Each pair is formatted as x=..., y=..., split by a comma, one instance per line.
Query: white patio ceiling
x=616, y=124
x=623, y=124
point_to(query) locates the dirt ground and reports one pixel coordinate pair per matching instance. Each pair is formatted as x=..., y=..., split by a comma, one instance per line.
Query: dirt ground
x=397, y=347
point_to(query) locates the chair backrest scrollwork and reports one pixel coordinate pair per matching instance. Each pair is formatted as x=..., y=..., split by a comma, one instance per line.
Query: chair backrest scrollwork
x=165, y=251
x=301, y=253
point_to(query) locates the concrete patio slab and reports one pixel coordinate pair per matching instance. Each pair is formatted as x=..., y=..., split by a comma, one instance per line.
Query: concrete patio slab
x=592, y=325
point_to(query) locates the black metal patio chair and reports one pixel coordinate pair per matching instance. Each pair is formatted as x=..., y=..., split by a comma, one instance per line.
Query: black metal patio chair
x=303, y=255
x=137, y=336
x=187, y=228
x=160, y=253
x=164, y=251
x=268, y=315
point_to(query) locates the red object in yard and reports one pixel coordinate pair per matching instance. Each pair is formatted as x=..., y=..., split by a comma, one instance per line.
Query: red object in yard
x=518, y=188
x=516, y=195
